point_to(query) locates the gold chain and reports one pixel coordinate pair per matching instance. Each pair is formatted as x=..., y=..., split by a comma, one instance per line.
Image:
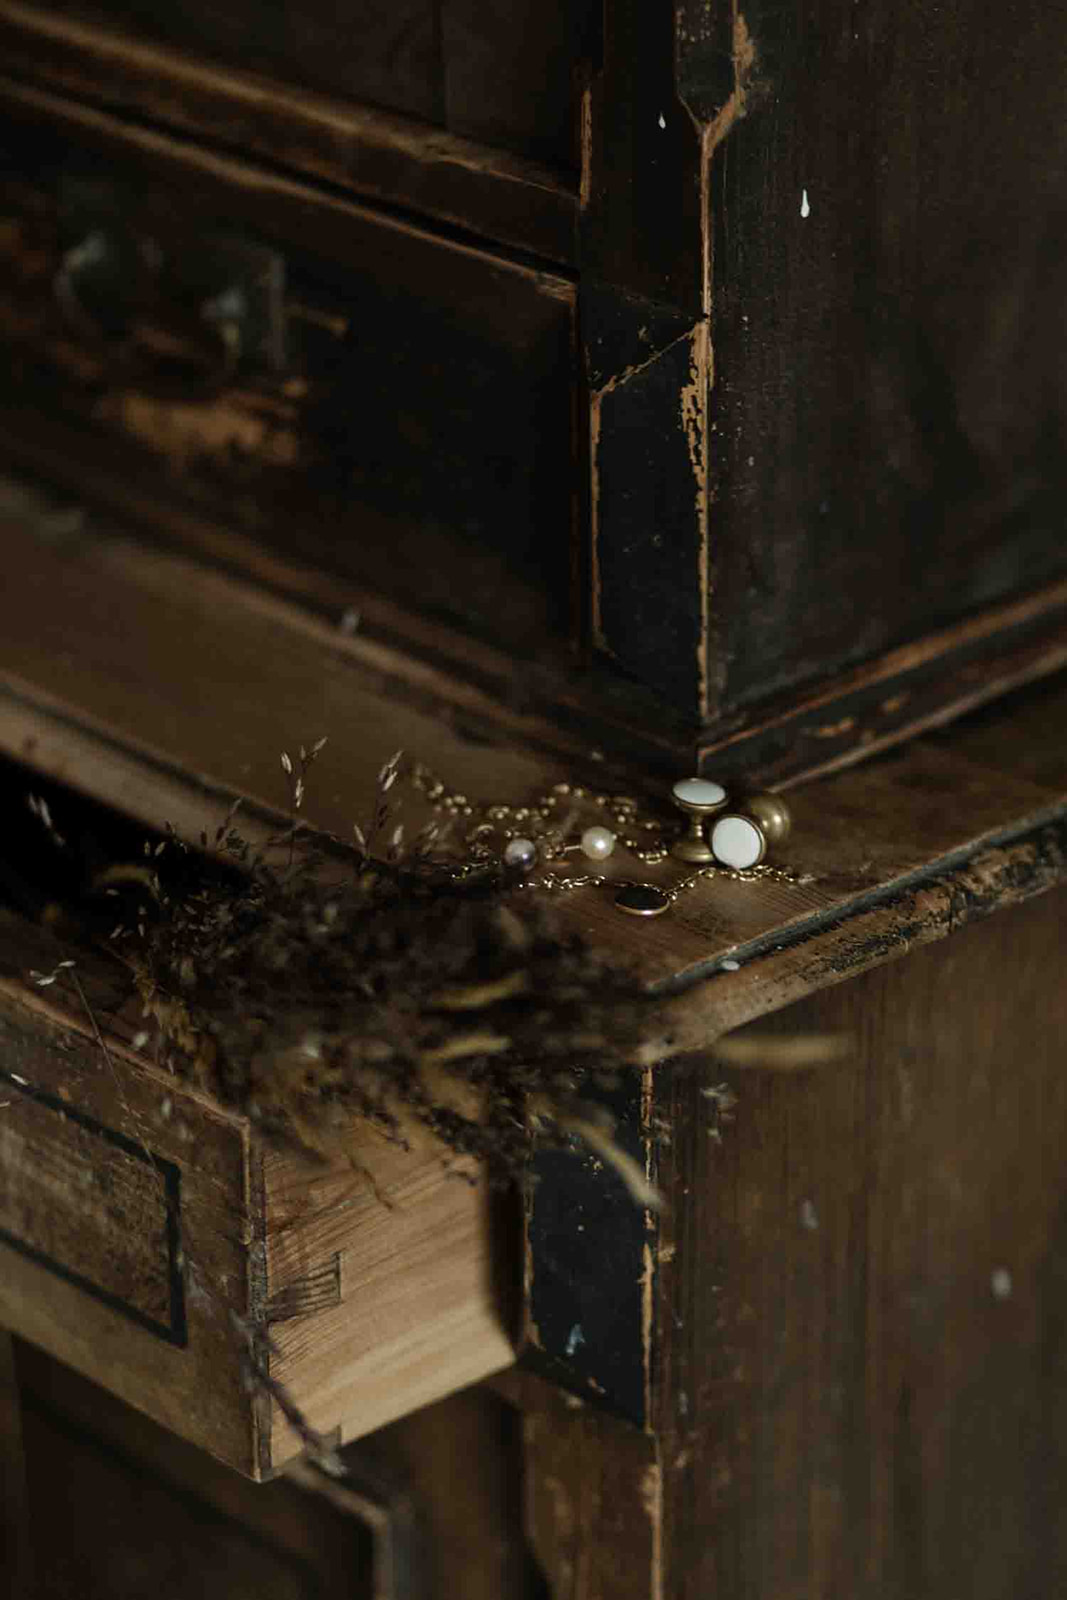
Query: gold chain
x=544, y=821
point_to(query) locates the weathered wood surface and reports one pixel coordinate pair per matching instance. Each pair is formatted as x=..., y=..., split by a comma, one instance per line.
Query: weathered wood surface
x=856, y=1301
x=138, y=1220
x=862, y=838
x=456, y=181
x=859, y=1329
x=888, y=342
x=504, y=74
x=875, y=454
x=404, y=363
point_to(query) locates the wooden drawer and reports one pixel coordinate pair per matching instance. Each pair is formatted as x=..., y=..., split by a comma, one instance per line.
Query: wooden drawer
x=152, y=1244
x=385, y=408
x=503, y=74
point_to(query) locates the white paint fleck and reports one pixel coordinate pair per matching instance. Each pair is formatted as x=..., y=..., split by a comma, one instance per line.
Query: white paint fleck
x=809, y=1217
x=166, y=1108
x=574, y=1339
x=1000, y=1283
x=662, y=120
x=25, y=1082
x=805, y=204
x=730, y=966
x=350, y=621
x=139, y=1040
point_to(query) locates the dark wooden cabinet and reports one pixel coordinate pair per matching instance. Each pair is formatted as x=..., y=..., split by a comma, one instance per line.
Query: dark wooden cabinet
x=560, y=392
x=691, y=375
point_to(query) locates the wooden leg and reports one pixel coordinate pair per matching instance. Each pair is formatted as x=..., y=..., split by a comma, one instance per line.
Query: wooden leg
x=593, y=1495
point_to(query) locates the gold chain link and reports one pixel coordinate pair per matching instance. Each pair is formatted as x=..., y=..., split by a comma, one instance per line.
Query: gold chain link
x=536, y=820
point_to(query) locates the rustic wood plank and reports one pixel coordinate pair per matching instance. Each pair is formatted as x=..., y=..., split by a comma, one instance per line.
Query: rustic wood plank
x=109, y=1175
x=381, y=1289
x=594, y=1508
x=142, y=1229
x=386, y=53
x=888, y=352
x=507, y=198
x=867, y=831
x=861, y=1321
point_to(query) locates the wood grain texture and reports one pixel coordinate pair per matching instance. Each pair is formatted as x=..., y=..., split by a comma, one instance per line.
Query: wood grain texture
x=93, y=1265
x=387, y=54
x=381, y=1298
x=505, y=76
x=862, y=1319
x=386, y=158
x=367, y=414
x=861, y=837
x=142, y=1230
x=887, y=330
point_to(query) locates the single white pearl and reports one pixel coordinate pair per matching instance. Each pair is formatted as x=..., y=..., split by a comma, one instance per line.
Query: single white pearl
x=520, y=853
x=736, y=842
x=598, y=843
x=699, y=792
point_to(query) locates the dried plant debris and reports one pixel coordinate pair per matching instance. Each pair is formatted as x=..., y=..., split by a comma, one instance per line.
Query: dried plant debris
x=308, y=984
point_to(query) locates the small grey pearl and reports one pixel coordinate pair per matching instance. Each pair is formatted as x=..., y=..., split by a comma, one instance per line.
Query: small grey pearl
x=520, y=853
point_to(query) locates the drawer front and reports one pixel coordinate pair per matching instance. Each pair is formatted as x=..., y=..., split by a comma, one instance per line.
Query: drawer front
x=354, y=393
x=502, y=74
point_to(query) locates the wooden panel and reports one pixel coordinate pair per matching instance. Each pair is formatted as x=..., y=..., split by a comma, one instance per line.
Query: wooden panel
x=888, y=330
x=384, y=51
x=489, y=192
x=863, y=1317
x=511, y=72
x=93, y=1261
x=861, y=839
x=409, y=365
x=380, y=1299
x=504, y=76
x=141, y=1232
x=119, y=1507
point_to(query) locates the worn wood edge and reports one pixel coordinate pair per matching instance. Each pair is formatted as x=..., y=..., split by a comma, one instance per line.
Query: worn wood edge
x=398, y=1368
x=423, y=661
x=71, y=746
x=384, y=156
x=377, y=1342
x=907, y=691
x=882, y=926
x=841, y=722
x=109, y=762
x=253, y=182
x=235, y=1435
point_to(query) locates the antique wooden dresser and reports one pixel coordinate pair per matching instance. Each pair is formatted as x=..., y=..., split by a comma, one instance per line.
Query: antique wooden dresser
x=580, y=393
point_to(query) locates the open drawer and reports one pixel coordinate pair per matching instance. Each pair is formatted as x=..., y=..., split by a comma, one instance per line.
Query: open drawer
x=151, y=1240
